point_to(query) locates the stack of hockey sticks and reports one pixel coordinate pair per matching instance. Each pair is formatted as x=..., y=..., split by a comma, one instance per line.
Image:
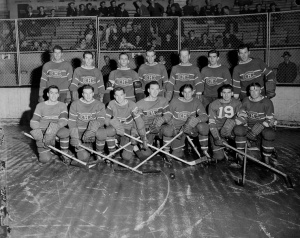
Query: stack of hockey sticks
x=241, y=182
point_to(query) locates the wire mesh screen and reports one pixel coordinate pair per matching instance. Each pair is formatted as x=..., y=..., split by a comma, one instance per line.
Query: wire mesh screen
x=224, y=32
x=138, y=34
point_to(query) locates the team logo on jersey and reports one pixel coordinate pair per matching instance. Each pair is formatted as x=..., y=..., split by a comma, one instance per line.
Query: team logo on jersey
x=184, y=77
x=183, y=115
x=123, y=81
x=86, y=117
x=56, y=73
x=254, y=115
x=152, y=112
x=249, y=75
x=88, y=80
x=152, y=77
x=212, y=81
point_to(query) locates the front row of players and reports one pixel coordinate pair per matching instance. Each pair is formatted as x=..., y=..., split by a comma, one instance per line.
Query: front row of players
x=93, y=125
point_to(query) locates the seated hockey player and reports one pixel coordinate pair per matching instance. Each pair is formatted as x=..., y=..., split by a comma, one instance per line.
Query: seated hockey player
x=48, y=122
x=152, y=109
x=125, y=77
x=255, y=123
x=87, y=74
x=123, y=116
x=188, y=114
x=222, y=114
x=86, y=116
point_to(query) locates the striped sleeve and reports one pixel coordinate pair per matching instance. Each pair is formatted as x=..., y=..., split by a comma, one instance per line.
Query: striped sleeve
x=227, y=76
x=100, y=82
x=37, y=116
x=109, y=111
x=73, y=115
x=212, y=116
x=75, y=81
x=199, y=82
x=236, y=82
x=202, y=116
x=69, y=72
x=63, y=116
x=101, y=114
x=164, y=74
x=171, y=82
x=44, y=80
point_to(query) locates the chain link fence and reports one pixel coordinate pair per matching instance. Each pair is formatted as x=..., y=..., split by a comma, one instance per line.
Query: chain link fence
x=25, y=43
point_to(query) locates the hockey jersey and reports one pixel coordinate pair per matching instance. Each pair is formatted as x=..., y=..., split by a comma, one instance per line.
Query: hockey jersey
x=59, y=74
x=218, y=112
x=181, y=110
x=126, y=114
x=124, y=78
x=81, y=113
x=152, y=109
x=258, y=111
x=251, y=72
x=84, y=76
x=181, y=75
x=44, y=114
x=214, y=78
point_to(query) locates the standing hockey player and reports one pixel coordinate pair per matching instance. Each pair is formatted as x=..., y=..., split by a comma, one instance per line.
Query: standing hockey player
x=126, y=78
x=184, y=73
x=87, y=74
x=57, y=72
x=250, y=70
x=214, y=76
x=257, y=123
x=153, y=109
x=152, y=71
x=123, y=114
x=188, y=114
x=222, y=114
x=86, y=116
x=48, y=122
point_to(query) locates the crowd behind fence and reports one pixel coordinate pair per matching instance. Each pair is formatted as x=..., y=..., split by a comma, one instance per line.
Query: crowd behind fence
x=25, y=43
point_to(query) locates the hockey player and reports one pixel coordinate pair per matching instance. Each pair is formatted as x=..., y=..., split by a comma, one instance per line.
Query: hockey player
x=184, y=73
x=188, y=114
x=222, y=113
x=250, y=70
x=125, y=77
x=255, y=121
x=86, y=117
x=57, y=72
x=87, y=74
x=152, y=71
x=213, y=76
x=153, y=109
x=48, y=122
x=123, y=114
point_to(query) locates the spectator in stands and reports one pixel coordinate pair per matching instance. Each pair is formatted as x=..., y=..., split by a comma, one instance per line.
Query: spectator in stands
x=36, y=46
x=124, y=33
x=153, y=44
x=155, y=9
x=22, y=30
x=25, y=46
x=71, y=10
x=143, y=10
x=139, y=43
x=29, y=13
x=102, y=10
x=258, y=9
x=103, y=45
x=121, y=12
x=273, y=8
x=90, y=11
x=197, y=11
x=125, y=45
x=112, y=10
x=245, y=10
x=35, y=29
x=90, y=35
x=208, y=9
x=226, y=11
x=205, y=43
x=166, y=26
x=218, y=9
x=82, y=10
x=135, y=31
x=41, y=12
x=287, y=70
x=81, y=45
x=176, y=11
x=169, y=42
x=161, y=60
x=188, y=9
x=137, y=12
x=192, y=42
x=111, y=29
x=44, y=46
x=219, y=42
x=114, y=42
x=101, y=33
x=230, y=40
x=53, y=13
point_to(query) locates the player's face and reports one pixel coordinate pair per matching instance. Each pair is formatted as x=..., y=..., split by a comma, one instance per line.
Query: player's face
x=150, y=57
x=153, y=90
x=120, y=96
x=57, y=54
x=255, y=92
x=187, y=93
x=53, y=94
x=184, y=56
x=213, y=59
x=88, y=60
x=124, y=61
x=244, y=54
x=226, y=94
x=88, y=94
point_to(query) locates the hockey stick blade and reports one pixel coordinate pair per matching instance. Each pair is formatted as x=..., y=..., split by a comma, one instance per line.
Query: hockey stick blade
x=288, y=182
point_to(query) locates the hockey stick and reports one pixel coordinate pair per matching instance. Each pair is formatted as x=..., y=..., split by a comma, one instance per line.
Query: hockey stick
x=197, y=152
x=286, y=177
x=59, y=151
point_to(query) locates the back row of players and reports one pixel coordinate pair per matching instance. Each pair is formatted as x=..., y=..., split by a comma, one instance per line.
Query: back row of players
x=89, y=121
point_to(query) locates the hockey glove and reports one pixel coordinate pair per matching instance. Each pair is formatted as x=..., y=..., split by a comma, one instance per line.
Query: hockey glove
x=190, y=123
x=117, y=125
x=89, y=135
x=156, y=125
x=255, y=131
x=49, y=138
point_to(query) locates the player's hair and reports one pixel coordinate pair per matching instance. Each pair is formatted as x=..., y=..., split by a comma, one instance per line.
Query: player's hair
x=57, y=47
x=123, y=53
x=256, y=84
x=226, y=86
x=150, y=49
x=153, y=83
x=184, y=49
x=187, y=86
x=118, y=89
x=87, y=86
x=53, y=86
x=87, y=53
x=213, y=52
x=243, y=46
